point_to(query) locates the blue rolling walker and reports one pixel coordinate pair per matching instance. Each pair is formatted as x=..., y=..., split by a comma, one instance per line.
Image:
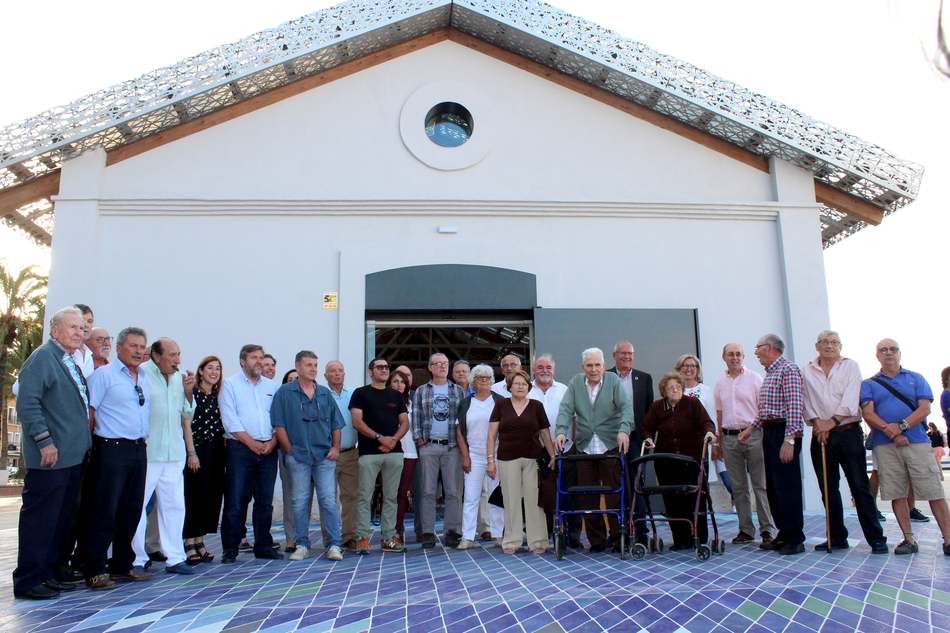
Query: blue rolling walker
x=560, y=528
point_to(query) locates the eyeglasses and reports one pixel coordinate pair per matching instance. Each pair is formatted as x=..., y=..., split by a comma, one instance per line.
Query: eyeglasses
x=386, y=367
x=102, y=339
x=689, y=366
x=141, y=394
x=826, y=341
x=439, y=363
x=892, y=350
x=761, y=345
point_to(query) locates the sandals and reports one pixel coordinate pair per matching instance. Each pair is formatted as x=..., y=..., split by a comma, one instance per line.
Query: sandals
x=206, y=556
x=193, y=556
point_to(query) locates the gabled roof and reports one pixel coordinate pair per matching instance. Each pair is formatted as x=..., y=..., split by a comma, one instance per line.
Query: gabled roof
x=850, y=173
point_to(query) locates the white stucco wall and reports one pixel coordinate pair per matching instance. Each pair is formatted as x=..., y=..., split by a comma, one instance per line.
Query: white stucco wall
x=231, y=235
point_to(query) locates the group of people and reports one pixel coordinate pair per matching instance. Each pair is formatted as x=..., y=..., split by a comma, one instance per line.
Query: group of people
x=137, y=454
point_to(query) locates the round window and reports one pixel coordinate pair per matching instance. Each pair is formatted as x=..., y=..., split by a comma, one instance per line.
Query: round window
x=449, y=124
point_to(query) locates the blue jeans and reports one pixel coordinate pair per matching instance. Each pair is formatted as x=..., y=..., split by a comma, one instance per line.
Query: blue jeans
x=304, y=478
x=248, y=475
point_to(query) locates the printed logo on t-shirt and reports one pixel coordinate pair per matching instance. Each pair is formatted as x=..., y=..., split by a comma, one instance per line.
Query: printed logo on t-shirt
x=440, y=408
x=391, y=405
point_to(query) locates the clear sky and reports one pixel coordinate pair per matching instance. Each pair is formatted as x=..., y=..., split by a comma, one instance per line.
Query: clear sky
x=856, y=64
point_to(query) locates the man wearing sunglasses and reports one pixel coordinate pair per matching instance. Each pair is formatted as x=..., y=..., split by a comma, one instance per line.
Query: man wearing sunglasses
x=379, y=416
x=120, y=404
x=895, y=403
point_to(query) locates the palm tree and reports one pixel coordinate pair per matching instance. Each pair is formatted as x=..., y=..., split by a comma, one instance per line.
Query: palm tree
x=22, y=300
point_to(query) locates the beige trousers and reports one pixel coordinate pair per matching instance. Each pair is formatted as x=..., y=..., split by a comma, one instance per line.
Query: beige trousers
x=519, y=480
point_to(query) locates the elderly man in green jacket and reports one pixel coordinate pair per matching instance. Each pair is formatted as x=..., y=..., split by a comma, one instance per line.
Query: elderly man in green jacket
x=602, y=417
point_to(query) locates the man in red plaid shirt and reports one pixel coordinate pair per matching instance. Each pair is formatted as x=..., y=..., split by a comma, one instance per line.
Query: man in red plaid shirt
x=780, y=416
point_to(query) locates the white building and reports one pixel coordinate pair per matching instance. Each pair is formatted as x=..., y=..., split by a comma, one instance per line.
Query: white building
x=604, y=191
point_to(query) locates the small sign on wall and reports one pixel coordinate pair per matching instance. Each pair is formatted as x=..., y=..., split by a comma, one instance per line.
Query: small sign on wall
x=330, y=300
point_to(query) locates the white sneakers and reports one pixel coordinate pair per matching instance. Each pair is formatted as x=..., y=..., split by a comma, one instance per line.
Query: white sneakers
x=334, y=553
x=300, y=553
x=465, y=544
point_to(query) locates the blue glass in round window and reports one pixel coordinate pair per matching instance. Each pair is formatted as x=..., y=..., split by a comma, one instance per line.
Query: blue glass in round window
x=449, y=124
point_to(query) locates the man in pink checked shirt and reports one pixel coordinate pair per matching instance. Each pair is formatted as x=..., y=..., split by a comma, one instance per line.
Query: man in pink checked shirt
x=781, y=406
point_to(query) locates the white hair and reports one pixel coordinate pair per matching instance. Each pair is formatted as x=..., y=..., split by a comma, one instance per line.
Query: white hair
x=592, y=351
x=775, y=341
x=62, y=313
x=546, y=357
x=480, y=371
x=825, y=333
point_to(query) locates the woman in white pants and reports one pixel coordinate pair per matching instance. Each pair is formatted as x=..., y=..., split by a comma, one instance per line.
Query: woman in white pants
x=471, y=437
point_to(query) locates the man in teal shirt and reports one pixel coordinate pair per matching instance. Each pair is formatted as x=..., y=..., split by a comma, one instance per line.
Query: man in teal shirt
x=169, y=449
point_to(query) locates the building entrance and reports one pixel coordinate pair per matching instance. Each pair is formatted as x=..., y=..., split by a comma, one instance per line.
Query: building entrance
x=411, y=342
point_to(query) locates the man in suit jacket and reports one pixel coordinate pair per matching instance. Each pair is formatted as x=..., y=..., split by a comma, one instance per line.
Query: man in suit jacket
x=53, y=410
x=638, y=385
x=602, y=417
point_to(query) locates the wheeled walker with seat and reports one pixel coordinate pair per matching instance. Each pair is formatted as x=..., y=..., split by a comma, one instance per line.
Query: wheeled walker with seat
x=562, y=490
x=699, y=489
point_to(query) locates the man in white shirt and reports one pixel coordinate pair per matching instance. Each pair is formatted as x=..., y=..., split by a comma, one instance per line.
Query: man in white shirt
x=546, y=390
x=252, y=461
x=510, y=365
x=83, y=355
x=832, y=409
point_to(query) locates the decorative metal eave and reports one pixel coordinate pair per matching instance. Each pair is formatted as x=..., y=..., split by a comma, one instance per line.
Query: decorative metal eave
x=320, y=41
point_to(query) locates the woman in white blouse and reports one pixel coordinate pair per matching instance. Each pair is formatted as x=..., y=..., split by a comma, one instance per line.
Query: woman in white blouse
x=471, y=437
x=691, y=371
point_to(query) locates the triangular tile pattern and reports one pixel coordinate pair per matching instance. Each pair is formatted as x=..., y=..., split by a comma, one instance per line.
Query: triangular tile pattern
x=745, y=590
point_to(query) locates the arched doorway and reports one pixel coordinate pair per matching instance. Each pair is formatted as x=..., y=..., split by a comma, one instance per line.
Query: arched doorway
x=475, y=313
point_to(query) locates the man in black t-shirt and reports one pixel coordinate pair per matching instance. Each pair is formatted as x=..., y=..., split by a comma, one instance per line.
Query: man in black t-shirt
x=379, y=416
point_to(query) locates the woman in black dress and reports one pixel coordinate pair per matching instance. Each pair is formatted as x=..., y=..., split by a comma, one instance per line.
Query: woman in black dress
x=204, y=488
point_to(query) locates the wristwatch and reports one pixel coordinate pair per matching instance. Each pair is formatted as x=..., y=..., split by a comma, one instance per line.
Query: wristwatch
x=378, y=436
x=790, y=441
x=903, y=424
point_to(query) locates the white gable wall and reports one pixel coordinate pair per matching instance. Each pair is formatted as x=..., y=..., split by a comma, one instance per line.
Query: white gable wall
x=231, y=235
x=341, y=142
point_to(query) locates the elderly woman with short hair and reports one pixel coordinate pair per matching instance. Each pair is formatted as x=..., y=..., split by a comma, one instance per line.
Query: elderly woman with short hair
x=678, y=425
x=472, y=438
x=518, y=426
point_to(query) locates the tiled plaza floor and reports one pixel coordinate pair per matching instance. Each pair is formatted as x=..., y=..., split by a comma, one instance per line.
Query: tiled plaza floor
x=484, y=590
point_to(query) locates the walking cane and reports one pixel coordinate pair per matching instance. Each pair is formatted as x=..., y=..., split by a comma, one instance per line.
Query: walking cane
x=824, y=473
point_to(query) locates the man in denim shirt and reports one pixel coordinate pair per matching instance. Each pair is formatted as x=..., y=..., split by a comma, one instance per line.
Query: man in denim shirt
x=308, y=422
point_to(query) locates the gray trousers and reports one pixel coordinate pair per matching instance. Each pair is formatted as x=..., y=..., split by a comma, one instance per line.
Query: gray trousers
x=433, y=459
x=745, y=463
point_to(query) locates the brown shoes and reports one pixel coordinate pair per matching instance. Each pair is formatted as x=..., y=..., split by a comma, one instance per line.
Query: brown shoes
x=100, y=582
x=742, y=538
x=766, y=538
x=136, y=574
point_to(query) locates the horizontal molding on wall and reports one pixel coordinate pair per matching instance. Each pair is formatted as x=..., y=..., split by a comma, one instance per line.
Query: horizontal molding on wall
x=766, y=211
